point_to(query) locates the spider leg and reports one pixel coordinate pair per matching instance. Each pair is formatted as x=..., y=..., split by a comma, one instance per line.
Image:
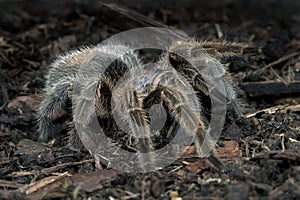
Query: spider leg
x=58, y=87
x=198, y=82
x=134, y=117
x=55, y=102
x=187, y=117
x=222, y=48
x=199, y=59
x=93, y=86
x=138, y=120
x=139, y=125
x=74, y=142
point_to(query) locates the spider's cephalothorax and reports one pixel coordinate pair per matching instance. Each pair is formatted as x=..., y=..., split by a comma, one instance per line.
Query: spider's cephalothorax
x=135, y=87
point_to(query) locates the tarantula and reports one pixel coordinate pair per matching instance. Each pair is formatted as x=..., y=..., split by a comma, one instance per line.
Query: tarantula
x=146, y=89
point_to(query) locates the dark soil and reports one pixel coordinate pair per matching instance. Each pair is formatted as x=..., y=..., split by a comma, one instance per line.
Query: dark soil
x=262, y=154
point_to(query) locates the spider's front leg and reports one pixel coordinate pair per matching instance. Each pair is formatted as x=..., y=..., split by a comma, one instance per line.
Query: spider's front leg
x=210, y=67
x=135, y=121
x=191, y=121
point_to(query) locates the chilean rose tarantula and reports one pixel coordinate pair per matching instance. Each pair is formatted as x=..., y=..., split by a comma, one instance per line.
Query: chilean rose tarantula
x=148, y=90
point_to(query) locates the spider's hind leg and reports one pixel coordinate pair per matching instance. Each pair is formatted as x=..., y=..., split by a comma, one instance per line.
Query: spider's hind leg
x=54, y=103
x=74, y=142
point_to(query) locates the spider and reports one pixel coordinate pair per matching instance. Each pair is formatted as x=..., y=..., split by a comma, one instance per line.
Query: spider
x=147, y=88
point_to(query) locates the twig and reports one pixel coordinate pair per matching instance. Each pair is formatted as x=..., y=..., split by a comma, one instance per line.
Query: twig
x=54, y=168
x=272, y=110
x=118, y=13
x=271, y=87
x=10, y=184
x=279, y=77
x=284, y=58
x=50, y=169
x=35, y=186
x=219, y=31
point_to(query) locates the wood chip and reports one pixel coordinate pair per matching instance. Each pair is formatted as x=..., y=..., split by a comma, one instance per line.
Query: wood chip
x=230, y=150
x=197, y=166
x=32, y=101
x=271, y=88
x=274, y=109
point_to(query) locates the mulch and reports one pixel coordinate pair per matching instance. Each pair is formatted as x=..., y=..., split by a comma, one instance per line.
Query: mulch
x=262, y=153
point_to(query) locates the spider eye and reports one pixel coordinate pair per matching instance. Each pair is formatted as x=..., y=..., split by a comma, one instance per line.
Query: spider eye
x=147, y=85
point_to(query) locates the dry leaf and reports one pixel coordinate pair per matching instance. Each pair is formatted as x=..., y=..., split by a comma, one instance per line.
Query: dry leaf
x=92, y=180
x=157, y=187
x=197, y=166
x=230, y=150
x=32, y=101
x=189, y=151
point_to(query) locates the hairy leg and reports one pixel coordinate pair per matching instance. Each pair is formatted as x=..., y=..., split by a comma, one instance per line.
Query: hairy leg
x=55, y=102
x=191, y=121
x=200, y=59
